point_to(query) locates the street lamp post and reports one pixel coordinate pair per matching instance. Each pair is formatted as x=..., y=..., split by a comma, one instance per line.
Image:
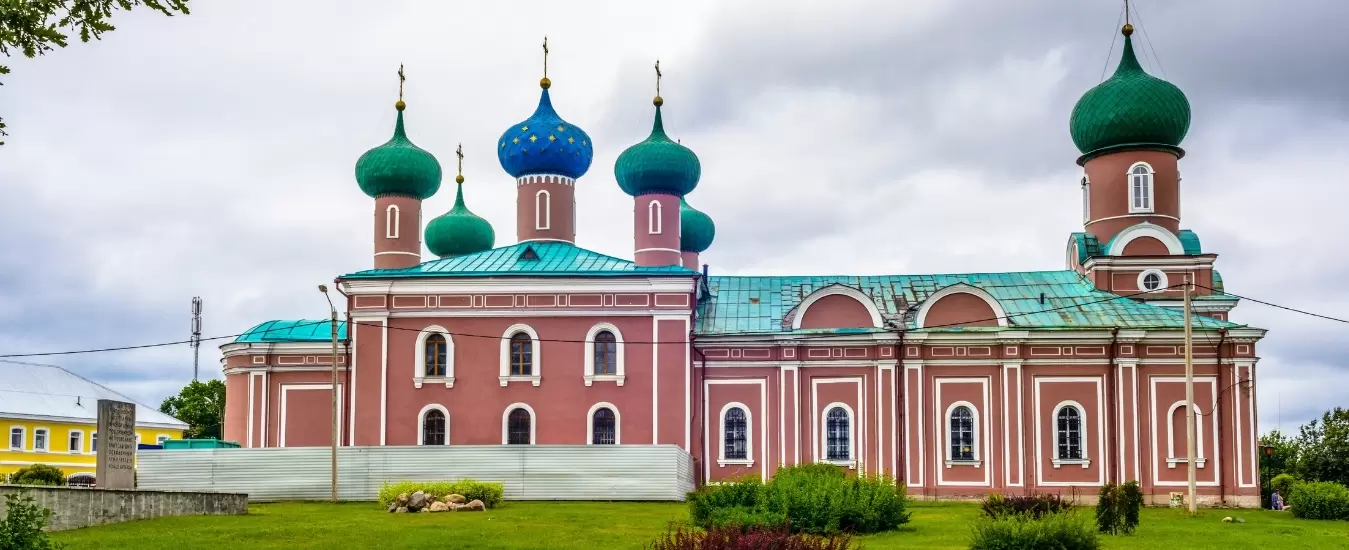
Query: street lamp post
x=333, y=309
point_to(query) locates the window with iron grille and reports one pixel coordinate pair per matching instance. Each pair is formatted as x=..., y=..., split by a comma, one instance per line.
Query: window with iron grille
x=837, y=435
x=436, y=355
x=1070, y=434
x=522, y=355
x=606, y=353
x=518, y=428
x=433, y=428
x=962, y=433
x=735, y=436
x=604, y=425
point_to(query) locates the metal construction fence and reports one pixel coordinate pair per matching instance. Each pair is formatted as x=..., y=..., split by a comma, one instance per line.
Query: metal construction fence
x=529, y=472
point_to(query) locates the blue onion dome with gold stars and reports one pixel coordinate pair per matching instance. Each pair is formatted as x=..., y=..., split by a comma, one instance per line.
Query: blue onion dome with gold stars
x=657, y=165
x=545, y=144
x=1130, y=110
x=398, y=167
x=696, y=229
x=459, y=231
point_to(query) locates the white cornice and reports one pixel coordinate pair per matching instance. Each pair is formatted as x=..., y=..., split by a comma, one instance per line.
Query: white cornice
x=519, y=285
x=1176, y=263
x=298, y=348
x=84, y=421
x=288, y=368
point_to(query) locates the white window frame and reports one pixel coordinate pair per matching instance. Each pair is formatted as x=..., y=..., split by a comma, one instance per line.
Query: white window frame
x=653, y=217
x=535, y=376
x=1085, y=461
x=505, y=423
x=590, y=422
x=851, y=461
x=93, y=442
x=421, y=422
x=1148, y=206
x=1165, y=283
x=161, y=438
x=974, y=435
x=46, y=439
x=543, y=210
x=23, y=438
x=1086, y=199
x=392, y=217
x=1171, y=459
x=749, y=436
x=419, y=376
x=590, y=376
x=78, y=447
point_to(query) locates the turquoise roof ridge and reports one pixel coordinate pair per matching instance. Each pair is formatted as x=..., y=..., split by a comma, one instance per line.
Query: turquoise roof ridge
x=529, y=258
x=301, y=330
x=1088, y=246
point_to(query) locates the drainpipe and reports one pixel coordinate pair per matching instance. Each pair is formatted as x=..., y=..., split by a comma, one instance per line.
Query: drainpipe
x=351, y=360
x=901, y=408
x=698, y=384
x=1217, y=409
x=1112, y=410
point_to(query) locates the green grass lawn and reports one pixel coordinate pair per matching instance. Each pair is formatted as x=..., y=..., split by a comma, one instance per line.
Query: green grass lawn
x=603, y=525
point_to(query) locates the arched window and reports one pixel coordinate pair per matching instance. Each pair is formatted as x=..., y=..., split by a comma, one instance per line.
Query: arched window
x=838, y=435
x=1068, y=429
x=603, y=427
x=1140, y=188
x=735, y=434
x=519, y=427
x=962, y=435
x=433, y=427
x=543, y=209
x=391, y=217
x=1086, y=199
x=1176, y=417
x=653, y=220
x=522, y=355
x=606, y=353
x=436, y=355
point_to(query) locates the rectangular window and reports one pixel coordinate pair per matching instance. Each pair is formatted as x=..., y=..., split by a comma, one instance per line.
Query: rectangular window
x=161, y=439
x=40, y=440
x=16, y=439
x=76, y=442
x=93, y=442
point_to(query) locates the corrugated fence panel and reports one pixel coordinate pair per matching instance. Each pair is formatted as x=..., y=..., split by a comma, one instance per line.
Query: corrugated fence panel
x=544, y=472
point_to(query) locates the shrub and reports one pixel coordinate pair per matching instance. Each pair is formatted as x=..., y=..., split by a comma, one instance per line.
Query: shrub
x=1062, y=531
x=996, y=506
x=729, y=538
x=1131, y=504
x=1319, y=500
x=1108, y=509
x=22, y=525
x=1283, y=484
x=815, y=498
x=38, y=474
x=489, y=493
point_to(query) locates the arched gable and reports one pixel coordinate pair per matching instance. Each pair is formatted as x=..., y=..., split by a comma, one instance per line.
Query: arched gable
x=837, y=306
x=1166, y=238
x=961, y=305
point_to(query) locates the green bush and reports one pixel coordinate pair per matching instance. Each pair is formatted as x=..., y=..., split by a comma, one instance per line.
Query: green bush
x=1118, y=508
x=996, y=505
x=1065, y=531
x=776, y=538
x=21, y=528
x=815, y=498
x=38, y=474
x=1283, y=484
x=489, y=493
x=1319, y=500
x=1131, y=503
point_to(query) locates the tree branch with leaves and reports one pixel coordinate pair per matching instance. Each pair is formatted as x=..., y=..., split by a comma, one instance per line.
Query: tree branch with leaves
x=201, y=405
x=35, y=27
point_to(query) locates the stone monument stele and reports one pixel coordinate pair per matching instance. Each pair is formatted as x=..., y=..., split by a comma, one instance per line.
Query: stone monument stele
x=116, y=445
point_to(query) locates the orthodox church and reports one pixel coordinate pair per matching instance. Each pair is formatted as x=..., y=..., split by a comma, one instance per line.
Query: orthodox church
x=956, y=384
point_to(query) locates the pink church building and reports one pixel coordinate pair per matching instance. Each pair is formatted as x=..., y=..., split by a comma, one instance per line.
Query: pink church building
x=956, y=384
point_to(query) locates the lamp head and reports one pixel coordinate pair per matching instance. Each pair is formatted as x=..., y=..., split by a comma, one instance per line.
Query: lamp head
x=323, y=289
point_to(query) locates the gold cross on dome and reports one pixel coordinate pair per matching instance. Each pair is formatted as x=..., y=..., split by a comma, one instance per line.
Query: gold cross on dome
x=459, y=152
x=545, y=56
x=658, y=75
x=401, y=79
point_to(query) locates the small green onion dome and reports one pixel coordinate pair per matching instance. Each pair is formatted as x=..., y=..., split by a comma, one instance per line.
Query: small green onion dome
x=657, y=165
x=696, y=229
x=398, y=167
x=1131, y=109
x=459, y=231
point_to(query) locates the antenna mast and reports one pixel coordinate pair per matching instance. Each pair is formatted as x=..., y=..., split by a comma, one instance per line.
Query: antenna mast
x=196, y=336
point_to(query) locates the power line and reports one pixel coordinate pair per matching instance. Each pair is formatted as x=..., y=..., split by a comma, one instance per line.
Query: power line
x=1149, y=39
x=1294, y=310
x=467, y=335
x=1114, y=35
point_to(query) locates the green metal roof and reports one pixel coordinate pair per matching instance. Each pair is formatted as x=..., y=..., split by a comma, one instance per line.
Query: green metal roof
x=302, y=330
x=1089, y=246
x=1190, y=242
x=538, y=259
x=747, y=305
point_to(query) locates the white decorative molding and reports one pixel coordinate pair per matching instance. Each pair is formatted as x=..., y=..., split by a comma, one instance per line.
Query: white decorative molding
x=749, y=436
x=960, y=288
x=653, y=217
x=1099, y=382
x=817, y=417
x=837, y=290
x=590, y=422
x=391, y=220
x=505, y=422
x=534, y=377
x=543, y=210
x=1146, y=229
x=943, y=426
x=852, y=459
x=419, y=375
x=421, y=422
x=620, y=352
x=1058, y=461
x=1212, y=382
x=763, y=419
x=285, y=392
x=1142, y=198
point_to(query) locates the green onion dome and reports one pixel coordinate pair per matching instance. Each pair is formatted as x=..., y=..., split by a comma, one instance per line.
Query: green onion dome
x=459, y=231
x=1132, y=109
x=657, y=165
x=696, y=229
x=398, y=167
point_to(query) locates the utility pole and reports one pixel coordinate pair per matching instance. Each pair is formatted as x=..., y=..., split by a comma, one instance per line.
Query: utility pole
x=336, y=435
x=1189, y=400
x=196, y=337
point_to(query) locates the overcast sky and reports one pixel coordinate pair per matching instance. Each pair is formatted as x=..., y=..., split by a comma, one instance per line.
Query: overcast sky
x=212, y=155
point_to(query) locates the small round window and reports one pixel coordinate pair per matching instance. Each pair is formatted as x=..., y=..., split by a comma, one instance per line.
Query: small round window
x=1151, y=280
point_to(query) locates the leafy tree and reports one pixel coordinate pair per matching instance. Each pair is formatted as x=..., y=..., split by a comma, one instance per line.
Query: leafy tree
x=21, y=527
x=201, y=405
x=1323, y=448
x=35, y=26
x=1282, y=459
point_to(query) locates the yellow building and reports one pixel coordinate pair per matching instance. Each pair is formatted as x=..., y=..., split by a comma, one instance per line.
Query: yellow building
x=50, y=416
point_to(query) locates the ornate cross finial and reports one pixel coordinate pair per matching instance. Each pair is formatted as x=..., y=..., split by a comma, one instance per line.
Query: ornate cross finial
x=658, y=101
x=545, y=56
x=1126, y=12
x=401, y=79
x=459, y=152
x=1128, y=27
